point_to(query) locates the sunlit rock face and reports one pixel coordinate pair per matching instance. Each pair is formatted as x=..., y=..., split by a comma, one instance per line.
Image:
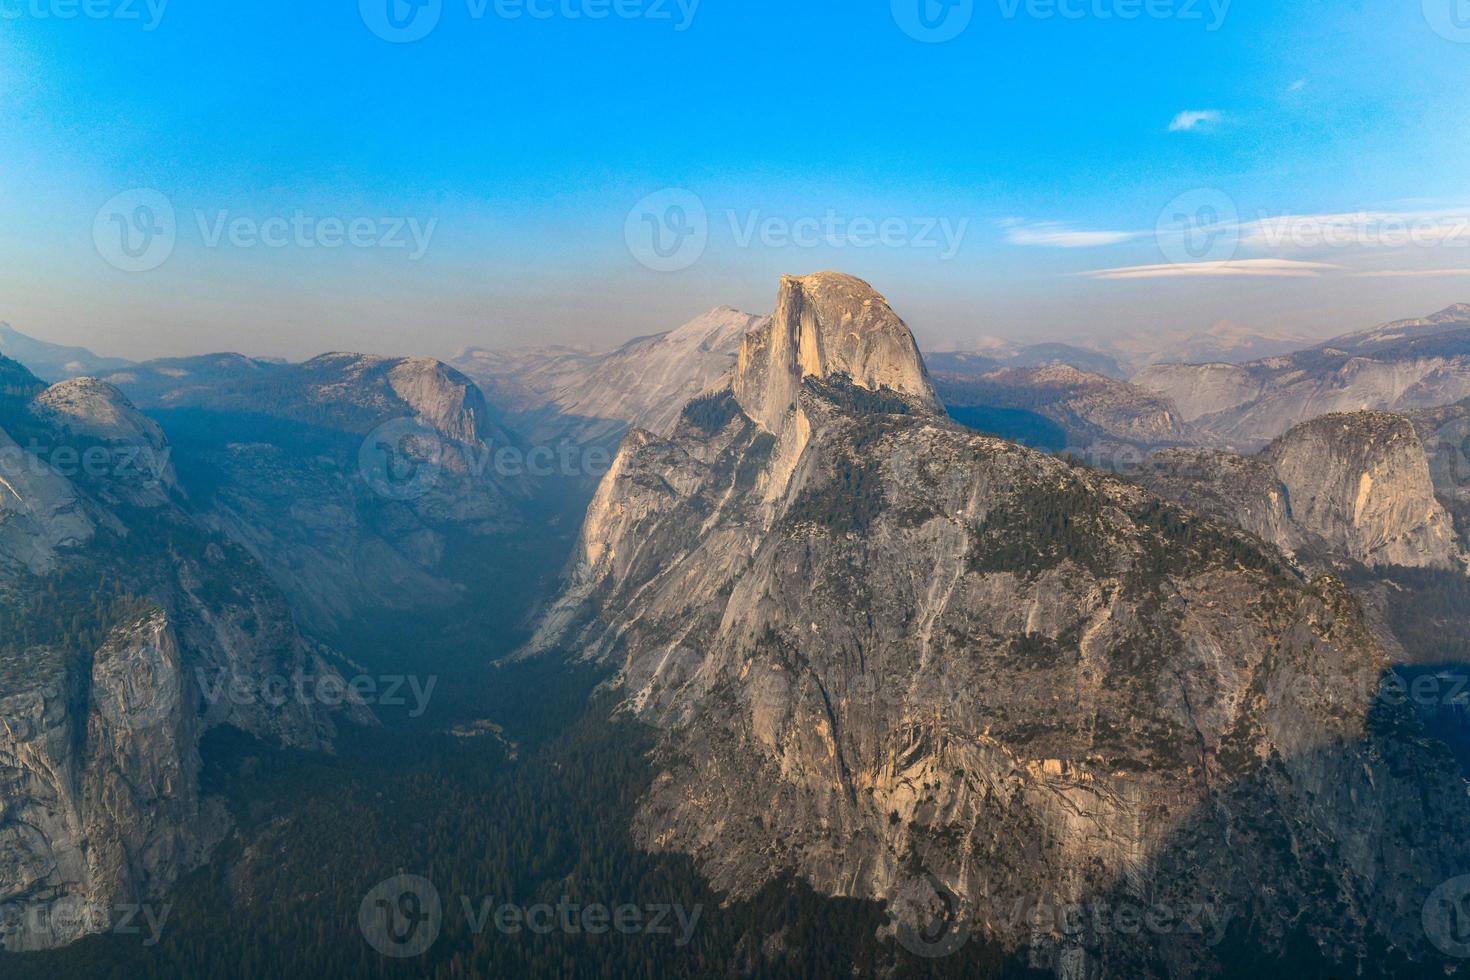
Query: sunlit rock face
x=1361, y=482
x=903, y=661
x=826, y=325
x=1353, y=487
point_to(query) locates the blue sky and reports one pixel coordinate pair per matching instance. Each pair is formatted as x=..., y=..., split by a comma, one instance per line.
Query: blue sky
x=990, y=184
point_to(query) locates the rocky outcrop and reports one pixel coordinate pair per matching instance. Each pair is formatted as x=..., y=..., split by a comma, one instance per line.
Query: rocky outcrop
x=127, y=630
x=826, y=325
x=41, y=514
x=1361, y=483
x=1398, y=367
x=1343, y=488
x=908, y=662
x=126, y=452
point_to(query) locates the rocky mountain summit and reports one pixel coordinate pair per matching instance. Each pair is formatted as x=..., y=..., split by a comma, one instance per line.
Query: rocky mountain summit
x=905, y=661
x=116, y=604
x=1403, y=366
x=349, y=477
x=1353, y=487
x=827, y=326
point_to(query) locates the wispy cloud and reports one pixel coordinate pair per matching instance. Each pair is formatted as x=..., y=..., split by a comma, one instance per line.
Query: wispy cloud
x=1257, y=268
x=1368, y=229
x=1297, y=85
x=1412, y=274
x=1191, y=120
x=1055, y=234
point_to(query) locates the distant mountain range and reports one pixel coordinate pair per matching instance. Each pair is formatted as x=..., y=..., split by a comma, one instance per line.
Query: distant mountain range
x=53, y=362
x=1400, y=366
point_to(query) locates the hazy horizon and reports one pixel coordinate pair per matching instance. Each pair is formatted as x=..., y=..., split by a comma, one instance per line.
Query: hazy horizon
x=372, y=194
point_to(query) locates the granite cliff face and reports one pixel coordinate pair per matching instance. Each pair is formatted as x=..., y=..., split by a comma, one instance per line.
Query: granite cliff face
x=123, y=621
x=909, y=662
x=1403, y=366
x=827, y=325
x=1353, y=487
